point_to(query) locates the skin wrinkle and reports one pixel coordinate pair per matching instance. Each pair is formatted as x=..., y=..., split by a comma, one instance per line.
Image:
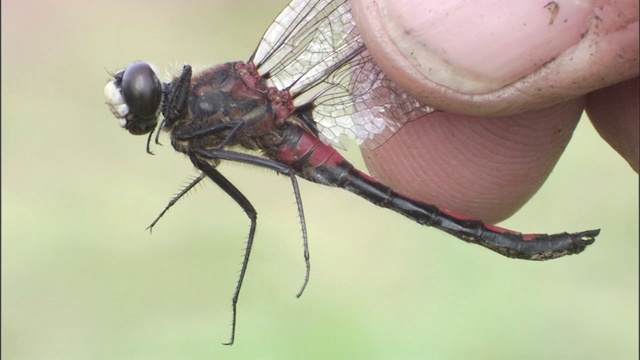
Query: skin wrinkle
x=438, y=161
x=478, y=157
x=509, y=158
x=446, y=166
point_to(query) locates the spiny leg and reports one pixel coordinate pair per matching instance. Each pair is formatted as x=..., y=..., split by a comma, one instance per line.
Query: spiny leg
x=175, y=199
x=232, y=126
x=244, y=203
x=174, y=100
x=303, y=225
x=216, y=154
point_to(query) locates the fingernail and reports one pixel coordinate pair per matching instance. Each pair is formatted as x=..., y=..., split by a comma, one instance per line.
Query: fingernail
x=479, y=47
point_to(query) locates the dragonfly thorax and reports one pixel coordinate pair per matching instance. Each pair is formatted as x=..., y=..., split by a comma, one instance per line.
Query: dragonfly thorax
x=225, y=106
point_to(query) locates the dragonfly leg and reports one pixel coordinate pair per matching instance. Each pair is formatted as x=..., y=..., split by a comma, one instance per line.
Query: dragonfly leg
x=244, y=203
x=175, y=199
x=174, y=101
x=233, y=125
x=216, y=154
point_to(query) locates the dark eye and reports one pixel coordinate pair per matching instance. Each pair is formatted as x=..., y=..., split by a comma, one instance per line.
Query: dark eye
x=141, y=90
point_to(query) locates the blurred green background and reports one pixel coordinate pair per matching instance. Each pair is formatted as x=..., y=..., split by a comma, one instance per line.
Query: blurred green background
x=82, y=279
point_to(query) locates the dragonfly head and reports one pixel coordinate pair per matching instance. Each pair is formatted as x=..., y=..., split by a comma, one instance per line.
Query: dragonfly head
x=134, y=96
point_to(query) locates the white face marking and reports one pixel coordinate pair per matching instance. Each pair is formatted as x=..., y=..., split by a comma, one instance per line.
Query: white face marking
x=115, y=101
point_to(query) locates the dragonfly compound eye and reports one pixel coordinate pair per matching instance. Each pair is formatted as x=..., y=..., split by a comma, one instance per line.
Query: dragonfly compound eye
x=141, y=89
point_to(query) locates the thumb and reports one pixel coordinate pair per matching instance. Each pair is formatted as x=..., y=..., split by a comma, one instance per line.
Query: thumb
x=500, y=57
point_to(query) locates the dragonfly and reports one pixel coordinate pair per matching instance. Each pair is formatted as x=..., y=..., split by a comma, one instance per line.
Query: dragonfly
x=309, y=83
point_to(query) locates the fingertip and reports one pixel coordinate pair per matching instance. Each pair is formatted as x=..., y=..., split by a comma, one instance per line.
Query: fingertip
x=486, y=168
x=614, y=112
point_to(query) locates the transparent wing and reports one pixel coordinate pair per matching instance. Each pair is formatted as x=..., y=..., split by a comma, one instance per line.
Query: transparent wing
x=314, y=50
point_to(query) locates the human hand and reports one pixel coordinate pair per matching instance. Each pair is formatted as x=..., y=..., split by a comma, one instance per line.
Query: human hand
x=511, y=80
